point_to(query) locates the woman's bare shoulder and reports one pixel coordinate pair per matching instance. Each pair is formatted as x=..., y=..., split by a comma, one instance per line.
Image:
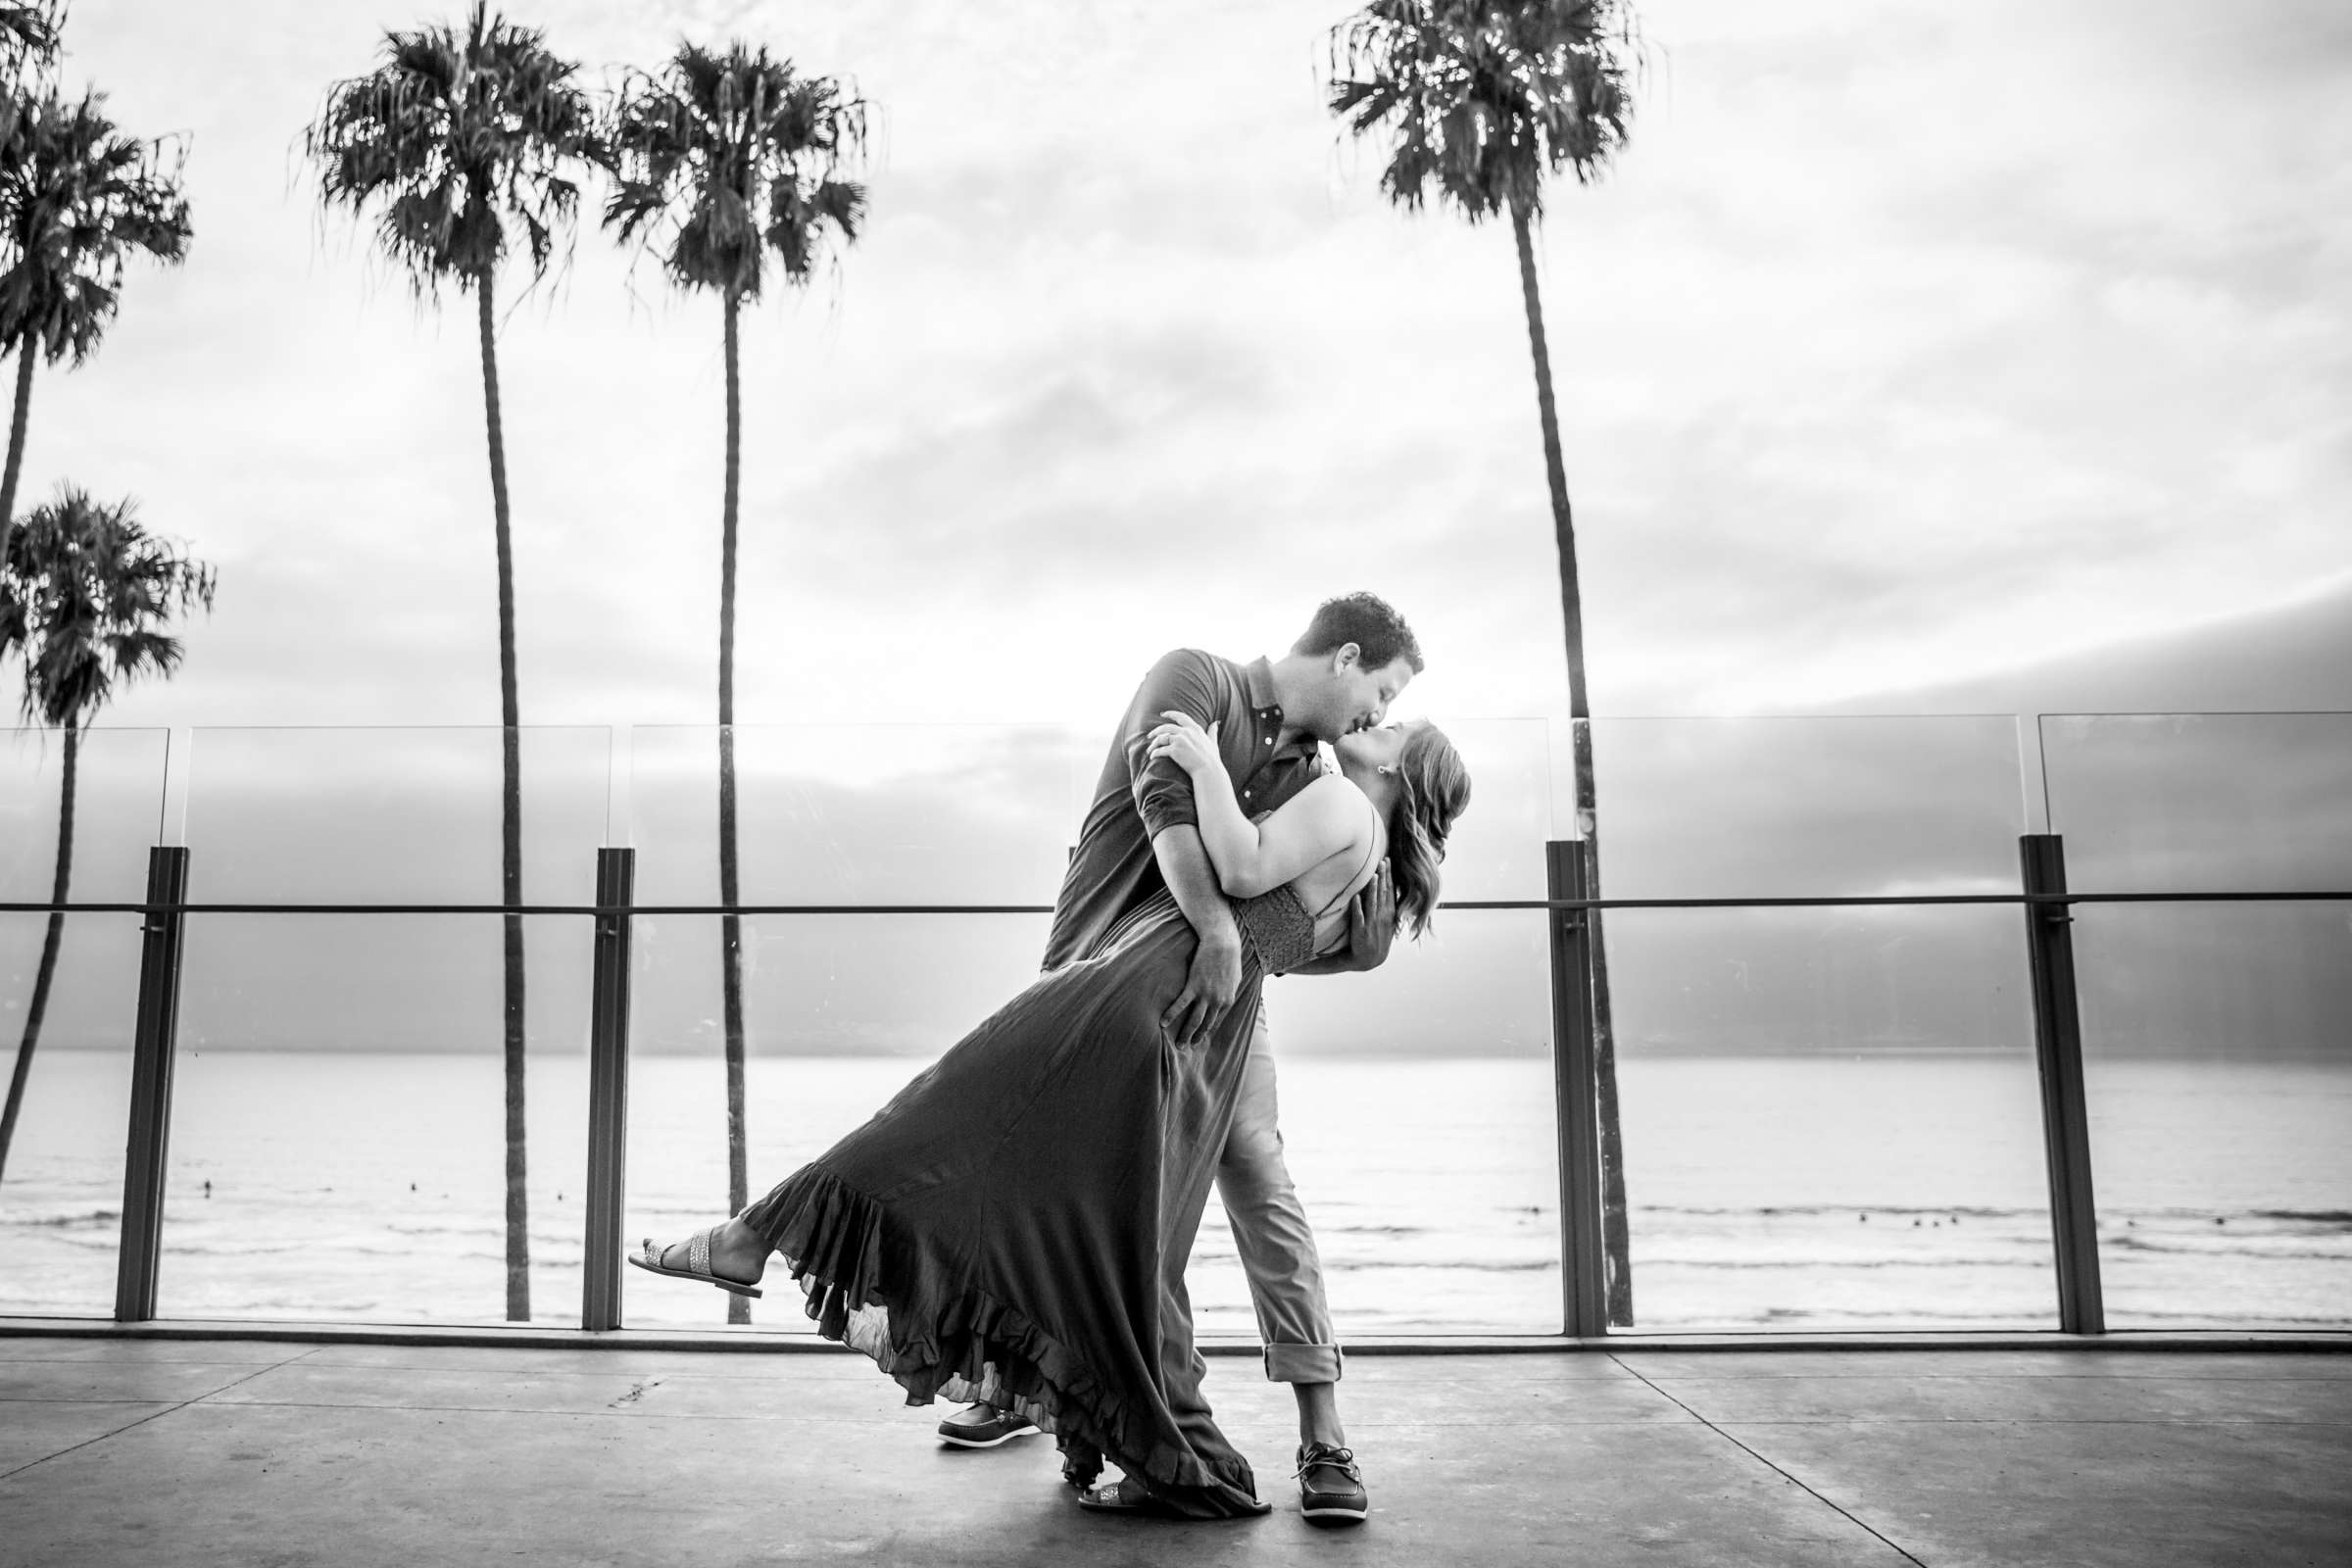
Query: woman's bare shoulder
x=1337, y=806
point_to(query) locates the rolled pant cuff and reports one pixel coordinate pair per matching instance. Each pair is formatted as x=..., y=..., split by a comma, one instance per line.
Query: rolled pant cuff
x=1303, y=1363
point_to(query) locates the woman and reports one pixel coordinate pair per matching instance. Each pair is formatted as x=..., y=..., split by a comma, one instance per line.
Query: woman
x=1013, y=1227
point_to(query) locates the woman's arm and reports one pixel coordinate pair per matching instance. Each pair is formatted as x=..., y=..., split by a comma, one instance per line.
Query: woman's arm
x=1252, y=857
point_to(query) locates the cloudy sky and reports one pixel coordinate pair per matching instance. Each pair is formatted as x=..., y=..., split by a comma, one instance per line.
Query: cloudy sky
x=1904, y=344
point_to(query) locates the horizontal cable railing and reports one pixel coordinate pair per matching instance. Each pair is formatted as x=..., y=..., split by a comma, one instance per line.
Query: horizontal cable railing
x=2093, y=774
x=1578, y=1040
x=1829, y=901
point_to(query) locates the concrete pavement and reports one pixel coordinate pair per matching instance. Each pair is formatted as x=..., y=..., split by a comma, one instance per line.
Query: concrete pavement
x=197, y=1453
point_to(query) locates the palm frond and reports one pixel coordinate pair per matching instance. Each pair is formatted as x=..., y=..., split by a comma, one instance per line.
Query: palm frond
x=462, y=146
x=1484, y=99
x=728, y=156
x=79, y=199
x=29, y=30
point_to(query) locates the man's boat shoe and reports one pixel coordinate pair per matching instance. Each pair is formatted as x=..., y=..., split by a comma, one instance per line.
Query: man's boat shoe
x=984, y=1426
x=1331, y=1488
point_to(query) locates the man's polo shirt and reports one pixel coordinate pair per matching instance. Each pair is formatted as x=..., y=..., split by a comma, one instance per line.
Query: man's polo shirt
x=1113, y=869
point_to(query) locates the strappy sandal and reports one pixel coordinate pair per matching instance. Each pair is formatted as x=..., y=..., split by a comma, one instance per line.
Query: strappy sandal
x=698, y=1263
x=1124, y=1497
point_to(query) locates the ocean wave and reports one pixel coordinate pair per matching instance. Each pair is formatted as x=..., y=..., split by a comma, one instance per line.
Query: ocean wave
x=1838, y=1264
x=1533, y=1265
x=1830, y=1321
x=331, y=1253
x=1840, y=1210
x=1374, y=1230
x=2138, y=1244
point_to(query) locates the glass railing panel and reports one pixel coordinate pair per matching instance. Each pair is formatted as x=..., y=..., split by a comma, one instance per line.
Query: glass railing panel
x=2217, y=1063
x=1497, y=850
x=902, y=813
x=1830, y=1116
x=2179, y=803
x=118, y=812
x=61, y=1190
x=392, y=814
x=1416, y=1100
x=338, y=1147
x=2218, y=1074
x=1389, y=1077
x=856, y=814
x=349, y=1162
x=839, y=1012
x=1806, y=807
x=1831, y=1119
x=1416, y=1106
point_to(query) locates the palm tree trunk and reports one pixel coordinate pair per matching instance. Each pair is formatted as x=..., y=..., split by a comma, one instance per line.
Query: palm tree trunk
x=29, y=349
x=730, y=926
x=1580, y=711
x=49, y=946
x=519, y=1232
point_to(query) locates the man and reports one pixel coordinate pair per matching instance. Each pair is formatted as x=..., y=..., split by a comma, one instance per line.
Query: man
x=1140, y=835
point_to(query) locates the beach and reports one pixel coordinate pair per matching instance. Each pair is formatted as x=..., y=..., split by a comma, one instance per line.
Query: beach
x=1773, y=1192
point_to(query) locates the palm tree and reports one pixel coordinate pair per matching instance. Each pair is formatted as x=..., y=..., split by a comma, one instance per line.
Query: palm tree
x=29, y=39
x=462, y=144
x=718, y=161
x=78, y=199
x=1484, y=100
x=88, y=593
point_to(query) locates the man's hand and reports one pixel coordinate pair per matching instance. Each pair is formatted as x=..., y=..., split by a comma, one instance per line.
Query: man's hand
x=1209, y=990
x=1217, y=972
x=1372, y=918
x=1371, y=924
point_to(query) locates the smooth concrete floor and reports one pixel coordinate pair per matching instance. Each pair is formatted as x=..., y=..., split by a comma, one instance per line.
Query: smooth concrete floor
x=184, y=1453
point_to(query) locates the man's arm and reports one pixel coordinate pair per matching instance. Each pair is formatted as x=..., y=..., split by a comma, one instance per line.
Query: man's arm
x=1185, y=680
x=1217, y=972
x=1251, y=857
x=1371, y=930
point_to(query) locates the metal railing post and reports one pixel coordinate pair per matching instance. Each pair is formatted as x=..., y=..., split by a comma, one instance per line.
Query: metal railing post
x=1583, y=1285
x=144, y=1156
x=2065, y=1118
x=608, y=1092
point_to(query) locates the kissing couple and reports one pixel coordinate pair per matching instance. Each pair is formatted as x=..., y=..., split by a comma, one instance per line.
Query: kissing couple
x=1012, y=1229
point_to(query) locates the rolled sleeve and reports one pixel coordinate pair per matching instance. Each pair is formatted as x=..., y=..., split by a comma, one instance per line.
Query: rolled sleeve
x=1184, y=681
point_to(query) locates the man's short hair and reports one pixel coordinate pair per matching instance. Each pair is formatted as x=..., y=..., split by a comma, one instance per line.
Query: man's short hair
x=1367, y=620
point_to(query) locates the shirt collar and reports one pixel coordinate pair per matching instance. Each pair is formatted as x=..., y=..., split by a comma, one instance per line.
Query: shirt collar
x=1258, y=678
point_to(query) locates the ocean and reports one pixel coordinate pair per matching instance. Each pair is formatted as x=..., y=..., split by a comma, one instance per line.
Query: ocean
x=1885, y=1191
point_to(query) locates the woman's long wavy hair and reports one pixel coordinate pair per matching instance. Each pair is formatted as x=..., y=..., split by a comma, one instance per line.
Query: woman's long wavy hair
x=1436, y=790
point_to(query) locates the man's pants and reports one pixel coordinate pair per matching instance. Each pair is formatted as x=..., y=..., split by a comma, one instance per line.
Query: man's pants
x=1271, y=1232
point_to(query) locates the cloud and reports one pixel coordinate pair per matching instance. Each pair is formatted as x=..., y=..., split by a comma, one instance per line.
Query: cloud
x=1890, y=344
x=1903, y=349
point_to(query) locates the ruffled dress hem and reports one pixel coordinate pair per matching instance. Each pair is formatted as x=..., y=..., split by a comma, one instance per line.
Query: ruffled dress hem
x=923, y=1321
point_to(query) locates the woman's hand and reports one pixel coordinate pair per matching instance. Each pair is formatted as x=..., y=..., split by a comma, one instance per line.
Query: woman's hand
x=1192, y=748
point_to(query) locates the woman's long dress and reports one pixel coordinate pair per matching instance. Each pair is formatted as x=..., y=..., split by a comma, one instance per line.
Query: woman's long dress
x=1014, y=1225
